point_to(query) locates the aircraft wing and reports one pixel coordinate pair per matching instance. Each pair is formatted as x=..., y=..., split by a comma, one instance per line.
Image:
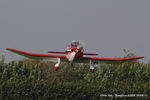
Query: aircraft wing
x=107, y=60
x=53, y=58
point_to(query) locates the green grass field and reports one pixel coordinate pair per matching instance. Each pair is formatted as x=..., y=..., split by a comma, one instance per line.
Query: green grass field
x=36, y=80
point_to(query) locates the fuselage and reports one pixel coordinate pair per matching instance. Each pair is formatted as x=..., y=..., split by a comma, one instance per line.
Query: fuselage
x=78, y=51
x=73, y=51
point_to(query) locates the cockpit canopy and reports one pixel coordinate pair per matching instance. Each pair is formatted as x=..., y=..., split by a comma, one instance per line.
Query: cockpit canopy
x=75, y=44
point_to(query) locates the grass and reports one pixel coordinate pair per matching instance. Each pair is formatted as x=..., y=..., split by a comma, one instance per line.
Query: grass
x=36, y=80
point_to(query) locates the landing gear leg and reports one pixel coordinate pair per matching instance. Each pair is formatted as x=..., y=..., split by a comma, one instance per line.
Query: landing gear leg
x=91, y=66
x=71, y=64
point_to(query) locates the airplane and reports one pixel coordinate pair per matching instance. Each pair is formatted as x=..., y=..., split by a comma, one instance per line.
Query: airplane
x=73, y=54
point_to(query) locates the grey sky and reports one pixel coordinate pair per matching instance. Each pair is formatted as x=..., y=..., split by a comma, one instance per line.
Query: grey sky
x=107, y=26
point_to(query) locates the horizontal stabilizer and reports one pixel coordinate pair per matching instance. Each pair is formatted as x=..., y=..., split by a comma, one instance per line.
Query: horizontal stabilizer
x=58, y=52
x=92, y=54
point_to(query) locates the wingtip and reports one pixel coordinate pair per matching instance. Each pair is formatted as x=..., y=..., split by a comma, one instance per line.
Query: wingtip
x=8, y=48
x=142, y=57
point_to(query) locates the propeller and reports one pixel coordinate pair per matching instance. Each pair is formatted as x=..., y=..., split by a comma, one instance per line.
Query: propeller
x=82, y=44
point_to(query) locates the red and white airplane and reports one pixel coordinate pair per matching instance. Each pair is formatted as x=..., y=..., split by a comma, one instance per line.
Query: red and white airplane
x=73, y=54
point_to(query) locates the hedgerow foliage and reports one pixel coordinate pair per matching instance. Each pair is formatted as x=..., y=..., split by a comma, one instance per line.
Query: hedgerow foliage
x=36, y=80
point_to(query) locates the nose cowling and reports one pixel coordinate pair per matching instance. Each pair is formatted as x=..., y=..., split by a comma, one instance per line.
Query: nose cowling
x=71, y=56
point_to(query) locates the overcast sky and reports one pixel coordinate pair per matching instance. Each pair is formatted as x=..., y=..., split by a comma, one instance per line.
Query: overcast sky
x=107, y=26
